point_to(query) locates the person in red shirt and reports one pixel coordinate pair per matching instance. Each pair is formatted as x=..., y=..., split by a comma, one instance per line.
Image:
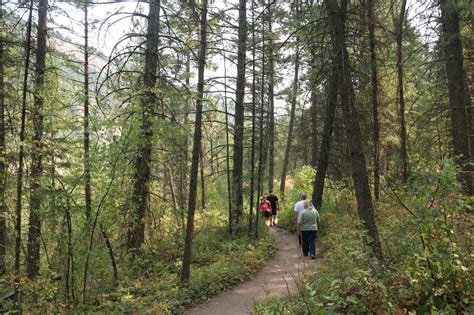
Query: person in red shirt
x=275, y=207
x=266, y=209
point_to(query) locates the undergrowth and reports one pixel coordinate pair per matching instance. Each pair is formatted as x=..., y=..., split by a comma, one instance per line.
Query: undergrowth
x=426, y=229
x=151, y=283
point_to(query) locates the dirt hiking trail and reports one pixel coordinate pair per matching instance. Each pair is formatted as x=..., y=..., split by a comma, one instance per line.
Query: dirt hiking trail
x=277, y=278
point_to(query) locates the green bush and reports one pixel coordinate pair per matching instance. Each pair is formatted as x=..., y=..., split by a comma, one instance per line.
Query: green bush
x=152, y=284
x=219, y=262
x=426, y=233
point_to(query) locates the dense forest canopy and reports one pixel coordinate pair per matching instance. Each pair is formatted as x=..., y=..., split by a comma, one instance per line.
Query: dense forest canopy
x=136, y=139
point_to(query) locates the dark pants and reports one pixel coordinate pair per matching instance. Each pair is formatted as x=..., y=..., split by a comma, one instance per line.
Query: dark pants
x=309, y=242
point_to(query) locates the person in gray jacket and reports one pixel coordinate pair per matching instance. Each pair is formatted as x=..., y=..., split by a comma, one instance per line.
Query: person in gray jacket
x=308, y=220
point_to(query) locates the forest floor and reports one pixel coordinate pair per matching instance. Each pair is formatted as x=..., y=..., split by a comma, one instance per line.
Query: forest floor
x=278, y=278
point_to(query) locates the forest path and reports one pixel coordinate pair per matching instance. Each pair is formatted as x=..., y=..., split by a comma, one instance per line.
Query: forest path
x=277, y=278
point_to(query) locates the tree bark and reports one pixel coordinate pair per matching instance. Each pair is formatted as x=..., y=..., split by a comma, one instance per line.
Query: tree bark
x=3, y=209
x=227, y=152
x=254, y=98
x=331, y=104
x=111, y=253
x=401, y=97
x=21, y=154
x=374, y=98
x=36, y=196
x=87, y=168
x=337, y=19
x=184, y=156
x=314, y=118
x=237, y=172
x=187, y=255
x=261, y=166
x=314, y=130
x=458, y=91
x=203, y=178
x=140, y=195
x=271, y=103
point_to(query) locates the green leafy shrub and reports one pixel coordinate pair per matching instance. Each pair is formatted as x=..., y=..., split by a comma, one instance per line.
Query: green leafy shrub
x=426, y=230
x=151, y=284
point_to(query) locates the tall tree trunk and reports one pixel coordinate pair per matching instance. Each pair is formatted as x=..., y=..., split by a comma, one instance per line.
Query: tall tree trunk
x=375, y=89
x=314, y=113
x=265, y=147
x=183, y=162
x=325, y=151
x=254, y=97
x=271, y=103
x=401, y=97
x=365, y=207
x=140, y=195
x=21, y=154
x=314, y=129
x=458, y=91
x=227, y=152
x=87, y=168
x=261, y=165
x=237, y=173
x=291, y=126
x=36, y=196
x=3, y=209
x=187, y=255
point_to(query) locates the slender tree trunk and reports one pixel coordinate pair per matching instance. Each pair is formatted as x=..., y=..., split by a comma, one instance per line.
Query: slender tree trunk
x=290, y=127
x=111, y=253
x=401, y=97
x=183, y=163
x=365, y=207
x=140, y=195
x=227, y=152
x=36, y=196
x=187, y=255
x=271, y=103
x=325, y=151
x=375, y=105
x=87, y=168
x=21, y=154
x=237, y=173
x=265, y=148
x=203, y=179
x=170, y=181
x=3, y=173
x=458, y=91
x=254, y=97
x=314, y=114
x=69, y=278
x=261, y=166
x=314, y=129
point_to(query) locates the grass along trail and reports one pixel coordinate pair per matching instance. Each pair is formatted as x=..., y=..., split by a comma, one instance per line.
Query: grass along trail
x=277, y=278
